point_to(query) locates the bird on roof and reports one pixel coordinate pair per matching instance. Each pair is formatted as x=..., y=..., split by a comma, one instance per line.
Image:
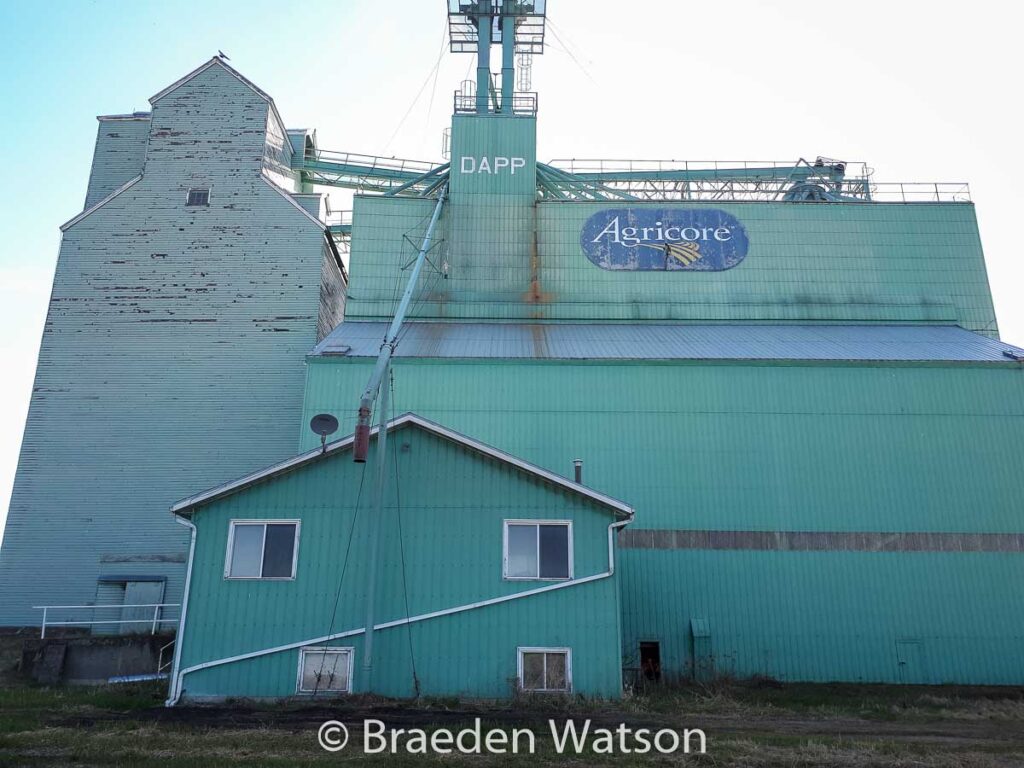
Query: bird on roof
x=223, y=55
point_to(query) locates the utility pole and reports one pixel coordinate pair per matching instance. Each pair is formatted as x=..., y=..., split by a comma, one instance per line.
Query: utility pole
x=378, y=386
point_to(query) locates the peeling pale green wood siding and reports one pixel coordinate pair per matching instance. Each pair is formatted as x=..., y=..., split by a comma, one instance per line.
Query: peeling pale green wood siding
x=333, y=284
x=807, y=262
x=452, y=537
x=119, y=156
x=277, y=155
x=172, y=356
x=783, y=447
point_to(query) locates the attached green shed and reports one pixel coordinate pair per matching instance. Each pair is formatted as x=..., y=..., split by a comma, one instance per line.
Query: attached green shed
x=494, y=575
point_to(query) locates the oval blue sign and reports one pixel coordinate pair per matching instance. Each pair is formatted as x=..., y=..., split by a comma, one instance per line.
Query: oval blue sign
x=667, y=239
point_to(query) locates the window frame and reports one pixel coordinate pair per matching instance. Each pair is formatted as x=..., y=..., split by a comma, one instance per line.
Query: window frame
x=207, y=190
x=521, y=651
x=263, y=548
x=538, y=577
x=325, y=649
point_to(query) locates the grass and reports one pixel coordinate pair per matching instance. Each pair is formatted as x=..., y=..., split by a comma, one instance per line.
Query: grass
x=746, y=725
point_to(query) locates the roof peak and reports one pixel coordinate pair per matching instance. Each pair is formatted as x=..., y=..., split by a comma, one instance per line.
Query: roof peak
x=214, y=61
x=186, y=506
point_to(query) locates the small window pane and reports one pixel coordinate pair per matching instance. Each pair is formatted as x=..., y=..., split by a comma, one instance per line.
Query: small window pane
x=324, y=671
x=522, y=550
x=556, y=680
x=533, y=671
x=554, y=552
x=279, y=550
x=246, y=549
x=198, y=197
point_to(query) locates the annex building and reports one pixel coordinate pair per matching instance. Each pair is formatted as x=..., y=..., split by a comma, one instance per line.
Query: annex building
x=797, y=433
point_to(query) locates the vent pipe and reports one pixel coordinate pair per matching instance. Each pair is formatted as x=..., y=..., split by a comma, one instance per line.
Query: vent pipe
x=578, y=467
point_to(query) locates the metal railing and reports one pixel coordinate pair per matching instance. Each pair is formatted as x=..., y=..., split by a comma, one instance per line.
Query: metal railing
x=850, y=170
x=739, y=180
x=523, y=102
x=919, y=192
x=335, y=218
x=369, y=163
x=152, y=622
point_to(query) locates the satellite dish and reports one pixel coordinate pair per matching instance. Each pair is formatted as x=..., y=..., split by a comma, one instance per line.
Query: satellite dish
x=323, y=424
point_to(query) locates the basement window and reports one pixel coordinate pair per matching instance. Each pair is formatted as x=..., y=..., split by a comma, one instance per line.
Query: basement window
x=538, y=549
x=198, y=197
x=262, y=549
x=545, y=670
x=324, y=670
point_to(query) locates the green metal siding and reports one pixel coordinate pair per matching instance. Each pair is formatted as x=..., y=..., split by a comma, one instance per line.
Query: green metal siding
x=769, y=447
x=452, y=534
x=826, y=616
x=818, y=262
x=171, y=358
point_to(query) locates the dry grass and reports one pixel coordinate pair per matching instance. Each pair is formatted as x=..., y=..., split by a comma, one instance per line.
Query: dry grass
x=756, y=724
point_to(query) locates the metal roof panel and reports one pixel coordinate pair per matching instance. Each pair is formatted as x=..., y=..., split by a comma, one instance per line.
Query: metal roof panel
x=920, y=343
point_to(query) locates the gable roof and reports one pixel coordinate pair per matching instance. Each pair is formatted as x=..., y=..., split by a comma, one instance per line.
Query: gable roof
x=218, y=61
x=186, y=506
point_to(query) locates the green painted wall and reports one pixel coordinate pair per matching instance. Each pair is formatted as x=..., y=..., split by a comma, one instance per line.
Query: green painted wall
x=770, y=447
x=807, y=262
x=452, y=537
x=171, y=358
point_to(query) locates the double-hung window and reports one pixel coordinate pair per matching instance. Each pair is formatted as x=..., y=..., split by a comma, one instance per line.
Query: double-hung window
x=262, y=549
x=538, y=549
x=545, y=670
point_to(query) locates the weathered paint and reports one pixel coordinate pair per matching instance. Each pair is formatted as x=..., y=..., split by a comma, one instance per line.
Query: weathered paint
x=172, y=352
x=837, y=451
x=449, y=537
x=120, y=154
x=830, y=263
x=649, y=239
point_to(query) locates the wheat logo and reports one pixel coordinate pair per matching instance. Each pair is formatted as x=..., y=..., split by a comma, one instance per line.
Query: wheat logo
x=668, y=240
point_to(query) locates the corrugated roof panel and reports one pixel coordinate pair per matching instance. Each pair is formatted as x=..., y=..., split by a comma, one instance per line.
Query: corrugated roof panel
x=670, y=342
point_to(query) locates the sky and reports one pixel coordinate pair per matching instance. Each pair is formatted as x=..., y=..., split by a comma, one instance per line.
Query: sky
x=920, y=90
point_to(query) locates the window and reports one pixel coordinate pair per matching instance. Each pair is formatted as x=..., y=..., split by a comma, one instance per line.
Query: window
x=198, y=197
x=538, y=549
x=262, y=549
x=324, y=670
x=545, y=670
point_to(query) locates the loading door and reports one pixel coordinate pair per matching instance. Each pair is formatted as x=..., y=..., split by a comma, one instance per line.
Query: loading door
x=141, y=593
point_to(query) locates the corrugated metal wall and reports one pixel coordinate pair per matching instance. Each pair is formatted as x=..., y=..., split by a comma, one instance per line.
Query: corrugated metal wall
x=171, y=358
x=452, y=503
x=772, y=447
x=807, y=262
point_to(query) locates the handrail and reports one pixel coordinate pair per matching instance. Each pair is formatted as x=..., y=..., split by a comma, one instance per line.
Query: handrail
x=160, y=666
x=154, y=622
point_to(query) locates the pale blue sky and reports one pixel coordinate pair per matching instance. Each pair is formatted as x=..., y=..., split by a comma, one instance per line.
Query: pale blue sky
x=921, y=90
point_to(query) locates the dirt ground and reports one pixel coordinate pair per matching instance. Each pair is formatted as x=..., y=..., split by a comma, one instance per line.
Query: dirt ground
x=746, y=723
